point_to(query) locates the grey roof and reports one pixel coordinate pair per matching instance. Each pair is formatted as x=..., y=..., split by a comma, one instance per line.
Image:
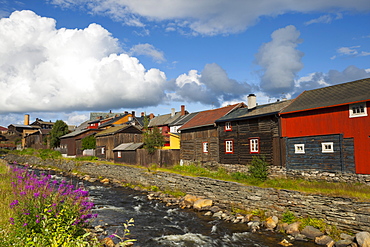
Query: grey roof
x=128, y=146
x=74, y=133
x=340, y=94
x=183, y=119
x=164, y=119
x=25, y=126
x=258, y=111
x=98, y=115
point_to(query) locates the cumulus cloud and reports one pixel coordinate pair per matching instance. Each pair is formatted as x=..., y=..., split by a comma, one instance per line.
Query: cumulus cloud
x=280, y=61
x=212, y=86
x=332, y=77
x=207, y=17
x=148, y=50
x=47, y=69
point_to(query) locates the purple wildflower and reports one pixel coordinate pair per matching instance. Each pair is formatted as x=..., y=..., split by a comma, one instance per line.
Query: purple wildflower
x=14, y=203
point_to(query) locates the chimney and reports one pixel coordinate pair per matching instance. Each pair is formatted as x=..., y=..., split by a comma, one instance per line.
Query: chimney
x=126, y=112
x=252, y=101
x=173, y=112
x=151, y=116
x=27, y=119
x=182, y=110
x=142, y=114
x=133, y=113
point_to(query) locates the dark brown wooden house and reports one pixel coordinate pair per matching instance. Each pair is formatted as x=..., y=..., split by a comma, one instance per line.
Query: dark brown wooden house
x=199, y=138
x=38, y=139
x=126, y=153
x=252, y=131
x=108, y=139
x=70, y=144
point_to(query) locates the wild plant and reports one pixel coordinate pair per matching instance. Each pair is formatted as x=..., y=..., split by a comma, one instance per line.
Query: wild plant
x=48, y=212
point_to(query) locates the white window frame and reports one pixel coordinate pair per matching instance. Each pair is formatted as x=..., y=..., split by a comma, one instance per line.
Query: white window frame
x=103, y=150
x=229, y=146
x=205, y=147
x=119, y=154
x=254, y=144
x=358, y=110
x=327, y=147
x=299, y=148
x=228, y=126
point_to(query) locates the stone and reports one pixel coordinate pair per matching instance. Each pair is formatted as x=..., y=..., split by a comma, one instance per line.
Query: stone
x=285, y=242
x=254, y=225
x=190, y=199
x=104, y=181
x=271, y=222
x=300, y=237
x=107, y=242
x=202, y=204
x=218, y=214
x=209, y=213
x=343, y=243
x=346, y=236
x=293, y=228
x=215, y=209
x=311, y=232
x=330, y=244
x=323, y=240
x=363, y=239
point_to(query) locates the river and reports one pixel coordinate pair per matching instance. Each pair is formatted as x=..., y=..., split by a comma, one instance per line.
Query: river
x=158, y=225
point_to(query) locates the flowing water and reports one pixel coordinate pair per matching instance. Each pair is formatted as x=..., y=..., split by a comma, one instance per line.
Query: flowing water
x=158, y=225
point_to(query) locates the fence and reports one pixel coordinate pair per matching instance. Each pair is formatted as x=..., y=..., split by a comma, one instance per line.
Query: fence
x=161, y=157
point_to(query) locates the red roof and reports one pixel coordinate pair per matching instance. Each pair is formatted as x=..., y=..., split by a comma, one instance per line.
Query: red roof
x=3, y=128
x=206, y=118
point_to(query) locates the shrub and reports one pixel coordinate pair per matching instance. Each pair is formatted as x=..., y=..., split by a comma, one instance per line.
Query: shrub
x=258, y=169
x=288, y=217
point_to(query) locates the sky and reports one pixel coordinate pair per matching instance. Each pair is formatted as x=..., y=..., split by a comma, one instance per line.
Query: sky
x=62, y=59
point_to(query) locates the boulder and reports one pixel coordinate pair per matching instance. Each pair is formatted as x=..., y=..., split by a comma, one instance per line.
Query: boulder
x=254, y=225
x=107, y=242
x=271, y=222
x=343, y=243
x=363, y=239
x=104, y=181
x=190, y=199
x=323, y=240
x=311, y=232
x=293, y=228
x=202, y=204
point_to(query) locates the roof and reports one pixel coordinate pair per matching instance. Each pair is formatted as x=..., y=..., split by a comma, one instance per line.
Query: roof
x=207, y=118
x=75, y=133
x=112, y=121
x=128, y=146
x=3, y=128
x=164, y=119
x=183, y=119
x=115, y=129
x=25, y=126
x=340, y=94
x=258, y=111
x=102, y=115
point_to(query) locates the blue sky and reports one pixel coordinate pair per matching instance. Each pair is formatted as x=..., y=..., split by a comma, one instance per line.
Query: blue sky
x=62, y=59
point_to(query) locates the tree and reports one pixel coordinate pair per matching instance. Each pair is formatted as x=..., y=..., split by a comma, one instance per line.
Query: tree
x=59, y=129
x=89, y=142
x=153, y=139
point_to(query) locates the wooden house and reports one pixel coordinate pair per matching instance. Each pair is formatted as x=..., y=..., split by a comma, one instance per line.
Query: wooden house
x=3, y=130
x=199, y=138
x=37, y=139
x=70, y=144
x=108, y=139
x=163, y=122
x=252, y=131
x=126, y=153
x=327, y=129
x=42, y=124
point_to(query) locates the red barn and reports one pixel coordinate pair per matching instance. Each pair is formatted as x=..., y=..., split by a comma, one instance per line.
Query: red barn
x=328, y=129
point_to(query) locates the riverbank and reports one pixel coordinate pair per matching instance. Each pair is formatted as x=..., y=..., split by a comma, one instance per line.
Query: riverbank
x=347, y=214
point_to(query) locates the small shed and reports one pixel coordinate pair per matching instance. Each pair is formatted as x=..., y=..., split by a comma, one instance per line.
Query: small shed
x=126, y=152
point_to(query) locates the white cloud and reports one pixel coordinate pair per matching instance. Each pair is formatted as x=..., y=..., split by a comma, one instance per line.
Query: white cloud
x=47, y=69
x=208, y=17
x=350, y=51
x=325, y=19
x=148, y=50
x=280, y=61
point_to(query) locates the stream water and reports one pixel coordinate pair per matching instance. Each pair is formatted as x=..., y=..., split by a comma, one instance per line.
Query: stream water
x=158, y=225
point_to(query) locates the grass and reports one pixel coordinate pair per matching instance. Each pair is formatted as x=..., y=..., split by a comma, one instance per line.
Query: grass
x=6, y=197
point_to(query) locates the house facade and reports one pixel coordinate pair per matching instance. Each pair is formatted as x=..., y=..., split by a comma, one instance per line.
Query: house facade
x=110, y=138
x=199, y=138
x=327, y=129
x=70, y=144
x=252, y=131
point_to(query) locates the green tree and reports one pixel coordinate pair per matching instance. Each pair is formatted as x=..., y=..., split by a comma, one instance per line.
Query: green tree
x=89, y=142
x=59, y=129
x=153, y=138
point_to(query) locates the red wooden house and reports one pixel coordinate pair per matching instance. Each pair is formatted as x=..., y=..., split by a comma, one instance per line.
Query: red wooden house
x=327, y=129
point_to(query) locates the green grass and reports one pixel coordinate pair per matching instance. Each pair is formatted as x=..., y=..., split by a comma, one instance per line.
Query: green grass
x=6, y=197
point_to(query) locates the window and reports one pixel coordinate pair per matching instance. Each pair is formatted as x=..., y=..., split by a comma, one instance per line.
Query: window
x=254, y=145
x=299, y=148
x=103, y=150
x=119, y=154
x=205, y=147
x=229, y=147
x=357, y=110
x=228, y=126
x=327, y=147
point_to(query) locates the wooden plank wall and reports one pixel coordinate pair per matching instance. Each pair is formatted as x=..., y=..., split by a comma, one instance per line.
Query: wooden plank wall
x=341, y=160
x=162, y=158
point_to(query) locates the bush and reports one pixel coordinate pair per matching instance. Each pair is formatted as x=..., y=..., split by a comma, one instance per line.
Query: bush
x=288, y=217
x=258, y=169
